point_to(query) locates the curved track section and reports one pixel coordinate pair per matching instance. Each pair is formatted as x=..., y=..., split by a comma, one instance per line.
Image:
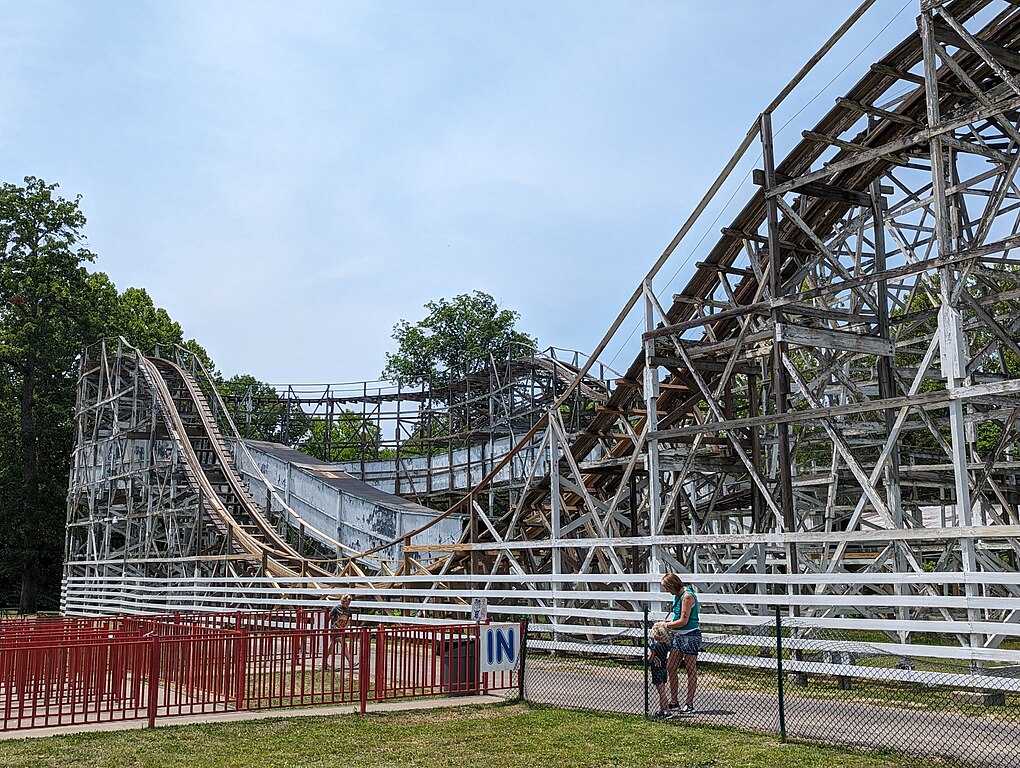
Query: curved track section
x=824, y=419
x=827, y=411
x=191, y=419
x=153, y=488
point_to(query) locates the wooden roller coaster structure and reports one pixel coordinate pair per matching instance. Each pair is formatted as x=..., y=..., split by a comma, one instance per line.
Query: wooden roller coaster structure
x=825, y=418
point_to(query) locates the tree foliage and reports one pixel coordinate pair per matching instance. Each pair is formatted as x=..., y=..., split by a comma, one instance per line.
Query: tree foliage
x=51, y=307
x=45, y=314
x=348, y=437
x=260, y=413
x=454, y=338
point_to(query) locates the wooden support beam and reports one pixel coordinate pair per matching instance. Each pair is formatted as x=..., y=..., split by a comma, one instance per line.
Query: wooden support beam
x=821, y=138
x=669, y=361
x=905, y=142
x=885, y=114
x=730, y=270
x=784, y=245
x=680, y=298
x=851, y=342
x=817, y=189
x=910, y=77
x=1006, y=57
x=700, y=349
x=807, y=310
x=924, y=400
x=899, y=74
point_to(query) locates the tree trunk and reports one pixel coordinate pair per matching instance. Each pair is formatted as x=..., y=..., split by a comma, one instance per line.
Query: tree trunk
x=29, y=582
x=30, y=495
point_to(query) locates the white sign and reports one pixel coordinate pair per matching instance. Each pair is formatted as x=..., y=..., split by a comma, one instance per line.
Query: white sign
x=479, y=609
x=501, y=647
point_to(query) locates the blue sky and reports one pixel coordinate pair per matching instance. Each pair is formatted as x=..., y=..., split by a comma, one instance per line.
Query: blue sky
x=291, y=179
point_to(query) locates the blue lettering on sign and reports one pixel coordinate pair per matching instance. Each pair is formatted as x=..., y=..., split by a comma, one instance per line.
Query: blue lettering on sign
x=499, y=648
x=504, y=643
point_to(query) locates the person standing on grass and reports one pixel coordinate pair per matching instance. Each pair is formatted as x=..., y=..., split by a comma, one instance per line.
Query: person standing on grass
x=686, y=641
x=340, y=616
x=658, y=656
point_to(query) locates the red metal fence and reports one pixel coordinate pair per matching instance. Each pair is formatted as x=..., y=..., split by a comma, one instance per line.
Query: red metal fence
x=71, y=671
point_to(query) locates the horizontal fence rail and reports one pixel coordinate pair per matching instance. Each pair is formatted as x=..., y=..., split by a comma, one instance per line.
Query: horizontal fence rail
x=969, y=612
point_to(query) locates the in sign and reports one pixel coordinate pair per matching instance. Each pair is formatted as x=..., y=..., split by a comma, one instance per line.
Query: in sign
x=501, y=647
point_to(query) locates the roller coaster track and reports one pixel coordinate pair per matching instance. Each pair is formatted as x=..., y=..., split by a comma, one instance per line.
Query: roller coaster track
x=236, y=513
x=808, y=324
x=827, y=413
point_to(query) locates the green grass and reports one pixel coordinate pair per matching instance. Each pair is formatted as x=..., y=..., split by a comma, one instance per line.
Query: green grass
x=495, y=735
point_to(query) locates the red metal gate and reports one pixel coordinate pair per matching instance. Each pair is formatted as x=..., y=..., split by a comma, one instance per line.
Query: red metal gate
x=72, y=671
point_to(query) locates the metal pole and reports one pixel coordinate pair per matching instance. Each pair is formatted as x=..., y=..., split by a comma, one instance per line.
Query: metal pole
x=644, y=657
x=524, y=655
x=779, y=673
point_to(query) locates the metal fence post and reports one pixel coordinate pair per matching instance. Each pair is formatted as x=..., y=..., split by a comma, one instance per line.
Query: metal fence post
x=364, y=662
x=779, y=674
x=153, y=680
x=483, y=677
x=381, y=688
x=240, y=670
x=644, y=657
x=524, y=656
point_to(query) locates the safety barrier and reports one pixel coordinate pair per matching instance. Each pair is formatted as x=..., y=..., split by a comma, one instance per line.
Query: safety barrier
x=57, y=672
x=796, y=680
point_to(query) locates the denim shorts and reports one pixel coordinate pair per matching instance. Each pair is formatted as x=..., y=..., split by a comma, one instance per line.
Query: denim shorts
x=688, y=643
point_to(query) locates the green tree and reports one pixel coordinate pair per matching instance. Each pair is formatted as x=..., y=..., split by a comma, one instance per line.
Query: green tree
x=350, y=438
x=456, y=337
x=51, y=308
x=45, y=314
x=150, y=328
x=259, y=413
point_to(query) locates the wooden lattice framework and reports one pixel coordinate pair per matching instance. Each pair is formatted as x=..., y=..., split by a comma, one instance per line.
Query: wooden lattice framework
x=828, y=411
x=825, y=417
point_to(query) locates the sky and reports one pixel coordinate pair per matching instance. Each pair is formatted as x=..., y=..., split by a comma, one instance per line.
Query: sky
x=291, y=179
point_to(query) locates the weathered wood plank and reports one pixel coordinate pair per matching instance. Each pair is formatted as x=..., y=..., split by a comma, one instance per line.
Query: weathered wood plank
x=828, y=339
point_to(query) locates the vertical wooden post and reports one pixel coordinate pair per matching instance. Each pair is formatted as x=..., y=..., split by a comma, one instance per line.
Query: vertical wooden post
x=780, y=378
x=952, y=341
x=650, y=393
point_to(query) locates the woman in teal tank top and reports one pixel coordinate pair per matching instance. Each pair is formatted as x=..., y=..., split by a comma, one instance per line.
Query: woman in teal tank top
x=686, y=642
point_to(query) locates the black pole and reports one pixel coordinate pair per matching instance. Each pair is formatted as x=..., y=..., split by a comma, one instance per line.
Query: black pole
x=779, y=674
x=644, y=657
x=524, y=656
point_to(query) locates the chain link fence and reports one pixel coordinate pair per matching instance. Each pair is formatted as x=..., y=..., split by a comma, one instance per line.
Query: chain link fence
x=794, y=680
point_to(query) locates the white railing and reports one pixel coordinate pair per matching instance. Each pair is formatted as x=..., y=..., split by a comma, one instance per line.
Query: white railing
x=552, y=603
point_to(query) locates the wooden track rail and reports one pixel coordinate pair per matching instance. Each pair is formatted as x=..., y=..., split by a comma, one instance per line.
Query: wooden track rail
x=825, y=417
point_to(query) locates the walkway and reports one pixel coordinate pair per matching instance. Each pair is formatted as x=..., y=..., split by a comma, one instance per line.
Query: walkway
x=990, y=741
x=263, y=714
